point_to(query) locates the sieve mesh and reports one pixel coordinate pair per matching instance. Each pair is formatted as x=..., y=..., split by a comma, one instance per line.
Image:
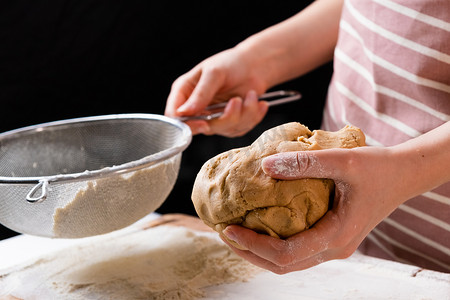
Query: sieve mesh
x=122, y=167
x=74, y=148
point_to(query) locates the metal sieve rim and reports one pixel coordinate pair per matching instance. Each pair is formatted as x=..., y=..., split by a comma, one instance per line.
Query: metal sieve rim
x=181, y=145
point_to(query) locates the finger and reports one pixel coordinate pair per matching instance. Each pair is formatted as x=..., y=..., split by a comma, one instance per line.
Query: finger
x=232, y=111
x=254, y=259
x=279, y=252
x=228, y=124
x=199, y=126
x=175, y=99
x=268, y=265
x=253, y=110
x=240, y=116
x=180, y=91
x=281, y=259
x=298, y=247
x=251, y=101
x=328, y=163
x=203, y=93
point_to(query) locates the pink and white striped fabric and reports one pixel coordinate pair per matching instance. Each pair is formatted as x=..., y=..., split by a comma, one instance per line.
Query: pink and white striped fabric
x=392, y=80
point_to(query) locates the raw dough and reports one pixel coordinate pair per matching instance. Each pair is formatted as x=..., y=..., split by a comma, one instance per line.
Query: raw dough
x=231, y=188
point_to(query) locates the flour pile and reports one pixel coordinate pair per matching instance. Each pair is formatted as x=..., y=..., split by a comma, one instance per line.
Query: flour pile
x=157, y=263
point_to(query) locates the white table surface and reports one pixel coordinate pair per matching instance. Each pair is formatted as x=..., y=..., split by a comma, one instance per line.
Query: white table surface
x=358, y=277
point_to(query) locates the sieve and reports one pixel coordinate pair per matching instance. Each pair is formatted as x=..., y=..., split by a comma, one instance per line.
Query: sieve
x=88, y=176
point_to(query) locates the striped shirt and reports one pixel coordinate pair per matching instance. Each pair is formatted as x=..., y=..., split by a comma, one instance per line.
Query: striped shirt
x=392, y=79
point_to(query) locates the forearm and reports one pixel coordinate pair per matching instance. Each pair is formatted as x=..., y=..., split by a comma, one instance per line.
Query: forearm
x=424, y=161
x=297, y=45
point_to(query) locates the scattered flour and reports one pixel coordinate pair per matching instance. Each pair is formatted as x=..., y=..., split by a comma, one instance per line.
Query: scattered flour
x=157, y=263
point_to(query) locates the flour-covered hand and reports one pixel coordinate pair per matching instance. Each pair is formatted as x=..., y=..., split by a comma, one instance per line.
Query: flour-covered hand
x=364, y=195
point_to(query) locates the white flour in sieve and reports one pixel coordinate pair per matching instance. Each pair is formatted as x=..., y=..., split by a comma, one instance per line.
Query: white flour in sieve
x=114, y=202
x=158, y=263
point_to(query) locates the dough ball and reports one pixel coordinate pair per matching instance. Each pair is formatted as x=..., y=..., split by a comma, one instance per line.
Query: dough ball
x=231, y=188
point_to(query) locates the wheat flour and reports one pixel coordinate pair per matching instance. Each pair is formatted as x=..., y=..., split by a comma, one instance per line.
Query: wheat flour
x=158, y=263
x=112, y=203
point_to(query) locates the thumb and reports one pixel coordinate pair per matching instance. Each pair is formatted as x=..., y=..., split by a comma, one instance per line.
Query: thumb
x=304, y=164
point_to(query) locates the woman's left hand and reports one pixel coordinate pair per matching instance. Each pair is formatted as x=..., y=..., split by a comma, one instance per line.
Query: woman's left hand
x=368, y=188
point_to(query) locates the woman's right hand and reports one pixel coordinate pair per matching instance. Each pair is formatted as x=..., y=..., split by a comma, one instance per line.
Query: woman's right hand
x=227, y=76
x=279, y=53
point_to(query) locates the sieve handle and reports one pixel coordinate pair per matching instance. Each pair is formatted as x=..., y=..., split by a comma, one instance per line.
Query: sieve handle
x=216, y=110
x=43, y=186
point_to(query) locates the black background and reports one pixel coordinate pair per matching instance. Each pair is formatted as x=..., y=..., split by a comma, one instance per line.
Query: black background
x=64, y=59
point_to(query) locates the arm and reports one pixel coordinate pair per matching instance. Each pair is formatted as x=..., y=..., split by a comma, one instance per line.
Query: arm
x=371, y=182
x=425, y=161
x=297, y=45
x=277, y=54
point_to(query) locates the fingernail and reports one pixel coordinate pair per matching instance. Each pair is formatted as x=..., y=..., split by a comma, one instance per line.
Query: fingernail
x=279, y=166
x=230, y=234
x=252, y=95
x=183, y=108
x=272, y=165
x=232, y=238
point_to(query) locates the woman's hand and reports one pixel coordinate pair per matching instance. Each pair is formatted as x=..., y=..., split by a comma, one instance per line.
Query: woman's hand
x=227, y=76
x=371, y=182
x=368, y=188
x=277, y=54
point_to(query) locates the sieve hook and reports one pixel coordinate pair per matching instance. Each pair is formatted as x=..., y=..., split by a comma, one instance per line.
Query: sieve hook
x=43, y=185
